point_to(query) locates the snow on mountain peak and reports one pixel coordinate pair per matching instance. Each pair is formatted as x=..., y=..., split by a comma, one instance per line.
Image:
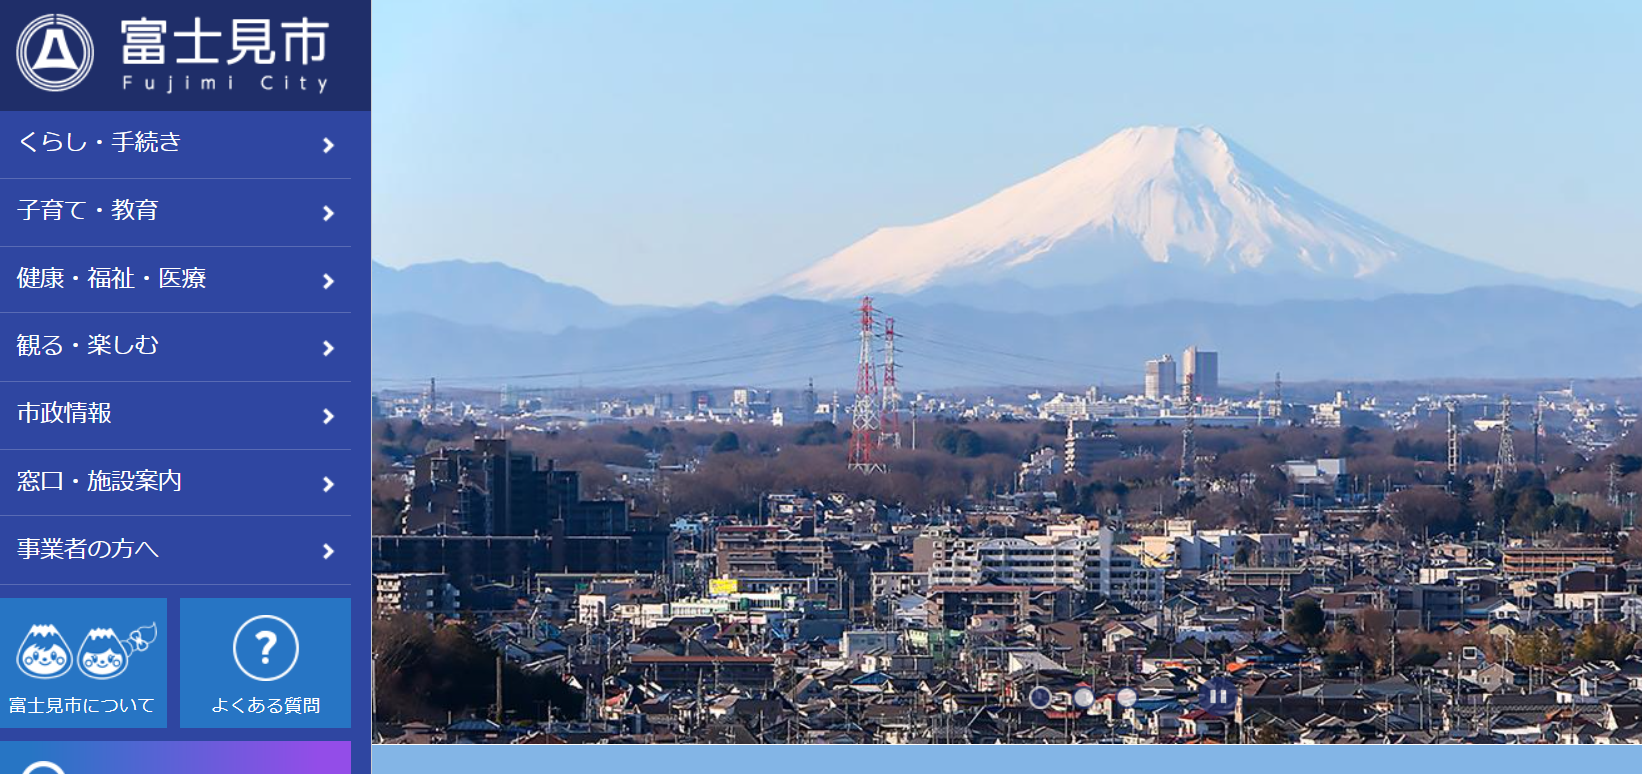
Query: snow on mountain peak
x=1150, y=193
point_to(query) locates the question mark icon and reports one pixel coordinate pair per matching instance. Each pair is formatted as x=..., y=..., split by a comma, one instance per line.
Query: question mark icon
x=271, y=638
x=256, y=639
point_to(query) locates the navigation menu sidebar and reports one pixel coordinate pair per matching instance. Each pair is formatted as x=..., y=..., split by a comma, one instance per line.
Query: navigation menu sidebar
x=184, y=297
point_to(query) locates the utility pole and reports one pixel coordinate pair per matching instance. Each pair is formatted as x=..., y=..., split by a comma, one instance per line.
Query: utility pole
x=1454, y=460
x=1507, y=463
x=498, y=690
x=1539, y=427
x=1613, y=482
x=1188, y=439
x=1188, y=447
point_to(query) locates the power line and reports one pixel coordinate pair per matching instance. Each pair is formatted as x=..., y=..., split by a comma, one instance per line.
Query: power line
x=977, y=348
x=974, y=367
x=746, y=354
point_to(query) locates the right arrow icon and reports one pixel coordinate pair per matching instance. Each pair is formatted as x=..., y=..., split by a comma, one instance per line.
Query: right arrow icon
x=328, y=349
x=328, y=483
x=328, y=145
x=328, y=416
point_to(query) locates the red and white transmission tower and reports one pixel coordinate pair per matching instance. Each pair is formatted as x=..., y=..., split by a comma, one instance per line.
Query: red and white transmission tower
x=864, y=437
x=890, y=420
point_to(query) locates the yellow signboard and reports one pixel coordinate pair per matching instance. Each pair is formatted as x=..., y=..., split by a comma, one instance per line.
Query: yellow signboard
x=721, y=586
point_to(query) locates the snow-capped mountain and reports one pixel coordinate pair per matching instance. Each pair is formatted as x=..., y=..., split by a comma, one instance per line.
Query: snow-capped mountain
x=1149, y=198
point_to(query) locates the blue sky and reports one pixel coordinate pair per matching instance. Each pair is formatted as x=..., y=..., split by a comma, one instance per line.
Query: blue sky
x=681, y=152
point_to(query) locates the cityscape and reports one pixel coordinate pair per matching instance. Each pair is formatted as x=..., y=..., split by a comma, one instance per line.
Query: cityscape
x=1184, y=561
x=1029, y=373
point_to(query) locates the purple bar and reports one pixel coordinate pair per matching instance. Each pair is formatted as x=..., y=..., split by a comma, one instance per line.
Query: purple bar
x=171, y=757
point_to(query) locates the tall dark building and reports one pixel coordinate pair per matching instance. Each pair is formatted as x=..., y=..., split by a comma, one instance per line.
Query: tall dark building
x=493, y=490
x=534, y=516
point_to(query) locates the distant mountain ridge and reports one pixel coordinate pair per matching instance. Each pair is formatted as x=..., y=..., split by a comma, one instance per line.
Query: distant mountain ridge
x=1406, y=336
x=1109, y=220
x=491, y=294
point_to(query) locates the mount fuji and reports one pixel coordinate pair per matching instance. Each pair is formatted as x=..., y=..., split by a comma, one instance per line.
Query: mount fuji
x=1084, y=263
x=1152, y=213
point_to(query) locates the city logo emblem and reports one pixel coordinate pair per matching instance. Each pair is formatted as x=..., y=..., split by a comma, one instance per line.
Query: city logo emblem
x=45, y=56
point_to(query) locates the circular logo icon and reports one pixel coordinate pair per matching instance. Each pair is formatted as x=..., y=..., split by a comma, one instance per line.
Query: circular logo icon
x=47, y=57
x=266, y=648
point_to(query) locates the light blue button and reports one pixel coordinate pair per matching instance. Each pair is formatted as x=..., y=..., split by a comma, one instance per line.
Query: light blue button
x=265, y=663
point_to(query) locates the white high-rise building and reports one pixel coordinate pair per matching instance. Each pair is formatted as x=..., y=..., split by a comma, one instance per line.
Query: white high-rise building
x=1161, y=378
x=1091, y=563
x=1202, y=372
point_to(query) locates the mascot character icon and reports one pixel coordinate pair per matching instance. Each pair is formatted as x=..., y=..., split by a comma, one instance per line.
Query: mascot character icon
x=102, y=656
x=44, y=653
